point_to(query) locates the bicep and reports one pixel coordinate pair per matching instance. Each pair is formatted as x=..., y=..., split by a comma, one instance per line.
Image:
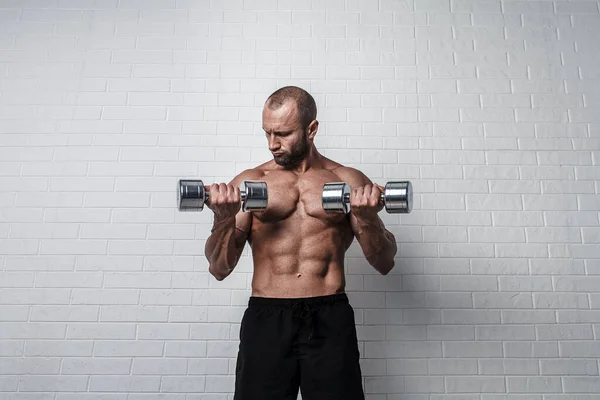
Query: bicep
x=243, y=225
x=243, y=220
x=354, y=177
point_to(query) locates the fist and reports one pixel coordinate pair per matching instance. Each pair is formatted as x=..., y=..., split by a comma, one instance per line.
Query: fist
x=224, y=200
x=365, y=201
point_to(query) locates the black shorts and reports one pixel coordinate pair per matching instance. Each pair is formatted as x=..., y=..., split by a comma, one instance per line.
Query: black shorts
x=289, y=344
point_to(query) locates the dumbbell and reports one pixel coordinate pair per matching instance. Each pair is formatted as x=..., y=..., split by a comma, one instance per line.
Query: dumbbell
x=192, y=195
x=397, y=197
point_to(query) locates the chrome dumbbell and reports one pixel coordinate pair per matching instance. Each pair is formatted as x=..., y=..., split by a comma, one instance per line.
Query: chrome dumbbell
x=397, y=197
x=192, y=195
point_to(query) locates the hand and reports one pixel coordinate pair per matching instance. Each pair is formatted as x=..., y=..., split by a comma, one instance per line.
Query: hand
x=365, y=201
x=224, y=200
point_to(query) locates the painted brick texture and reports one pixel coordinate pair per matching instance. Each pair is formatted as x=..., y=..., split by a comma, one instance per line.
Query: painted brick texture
x=491, y=108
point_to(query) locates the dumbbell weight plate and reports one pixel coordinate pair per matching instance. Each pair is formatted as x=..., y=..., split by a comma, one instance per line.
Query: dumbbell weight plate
x=254, y=195
x=191, y=195
x=334, y=195
x=398, y=197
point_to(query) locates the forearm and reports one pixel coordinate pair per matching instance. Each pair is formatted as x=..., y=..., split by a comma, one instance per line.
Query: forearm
x=220, y=250
x=377, y=243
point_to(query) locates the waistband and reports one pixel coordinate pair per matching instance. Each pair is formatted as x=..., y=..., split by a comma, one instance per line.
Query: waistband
x=290, y=302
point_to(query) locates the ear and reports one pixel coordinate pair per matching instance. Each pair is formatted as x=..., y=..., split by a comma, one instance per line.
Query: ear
x=312, y=129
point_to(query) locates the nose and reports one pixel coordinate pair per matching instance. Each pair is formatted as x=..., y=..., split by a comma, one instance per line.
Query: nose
x=274, y=144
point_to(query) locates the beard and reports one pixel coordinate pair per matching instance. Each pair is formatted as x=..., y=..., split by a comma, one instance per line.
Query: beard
x=296, y=154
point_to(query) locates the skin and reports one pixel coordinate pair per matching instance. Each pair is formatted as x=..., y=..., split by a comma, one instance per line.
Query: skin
x=298, y=249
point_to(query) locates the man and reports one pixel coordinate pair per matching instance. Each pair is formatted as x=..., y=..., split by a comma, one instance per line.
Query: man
x=299, y=329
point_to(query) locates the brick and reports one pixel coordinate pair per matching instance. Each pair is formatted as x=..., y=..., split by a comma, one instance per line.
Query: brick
x=454, y=300
x=452, y=367
x=62, y=313
x=558, y=267
x=14, y=313
x=468, y=283
x=537, y=283
x=565, y=331
x=450, y=332
x=128, y=348
x=546, y=235
x=575, y=284
x=99, y=383
x=496, y=235
x=518, y=218
x=505, y=332
x=475, y=384
x=502, y=300
x=534, y=384
x=561, y=300
x=568, y=367
x=528, y=316
x=403, y=349
x=524, y=349
x=570, y=396
x=97, y=366
x=470, y=317
x=134, y=313
x=43, y=330
x=509, y=366
x=32, y=383
x=568, y=187
x=547, y=172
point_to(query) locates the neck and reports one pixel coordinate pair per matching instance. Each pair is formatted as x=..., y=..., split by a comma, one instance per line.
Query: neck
x=312, y=159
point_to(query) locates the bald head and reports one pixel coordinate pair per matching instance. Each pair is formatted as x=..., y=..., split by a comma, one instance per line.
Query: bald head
x=305, y=103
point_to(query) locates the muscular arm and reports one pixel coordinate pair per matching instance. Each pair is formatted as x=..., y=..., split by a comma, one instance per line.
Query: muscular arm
x=228, y=237
x=377, y=243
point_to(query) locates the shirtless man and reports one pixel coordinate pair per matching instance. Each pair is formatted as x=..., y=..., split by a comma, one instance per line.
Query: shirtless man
x=299, y=329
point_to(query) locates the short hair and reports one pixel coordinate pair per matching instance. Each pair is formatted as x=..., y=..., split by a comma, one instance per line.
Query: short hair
x=307, y=107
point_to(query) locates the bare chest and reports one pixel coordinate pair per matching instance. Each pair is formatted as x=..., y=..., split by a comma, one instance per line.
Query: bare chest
x=292, y=196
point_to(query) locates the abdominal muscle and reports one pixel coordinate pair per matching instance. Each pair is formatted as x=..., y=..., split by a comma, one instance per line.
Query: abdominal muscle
x=298, y=259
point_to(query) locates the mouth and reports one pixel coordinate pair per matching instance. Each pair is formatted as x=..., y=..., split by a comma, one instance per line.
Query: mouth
x=277, y=154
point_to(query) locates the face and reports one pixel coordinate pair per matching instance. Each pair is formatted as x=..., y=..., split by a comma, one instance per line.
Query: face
x=288, y=142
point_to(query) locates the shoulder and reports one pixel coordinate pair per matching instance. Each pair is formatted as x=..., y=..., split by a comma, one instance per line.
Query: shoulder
x=256, y=173
x=354, y=177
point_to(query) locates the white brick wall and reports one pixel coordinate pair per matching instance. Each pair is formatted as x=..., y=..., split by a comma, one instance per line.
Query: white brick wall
x=491, y=108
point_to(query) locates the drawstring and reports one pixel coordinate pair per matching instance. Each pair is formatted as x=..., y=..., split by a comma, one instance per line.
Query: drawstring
x=305, y=311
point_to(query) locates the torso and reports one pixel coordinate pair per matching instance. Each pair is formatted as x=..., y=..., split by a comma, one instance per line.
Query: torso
x=298, y=249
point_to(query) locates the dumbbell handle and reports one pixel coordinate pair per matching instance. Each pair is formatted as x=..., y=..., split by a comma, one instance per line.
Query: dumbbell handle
x=207, y=193
x=347, y=197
